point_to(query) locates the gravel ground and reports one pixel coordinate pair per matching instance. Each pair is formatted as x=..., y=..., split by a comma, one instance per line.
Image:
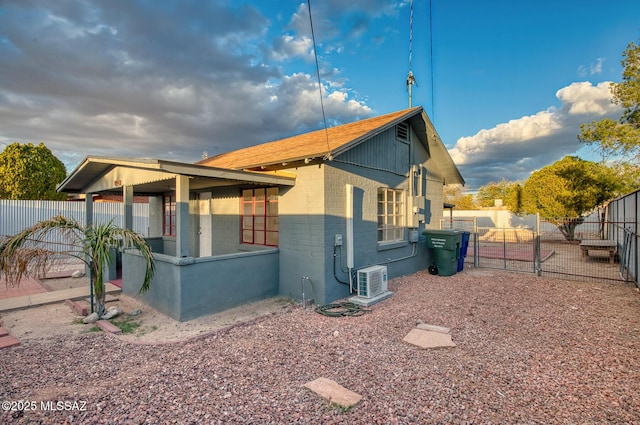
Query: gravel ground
x=529, y=350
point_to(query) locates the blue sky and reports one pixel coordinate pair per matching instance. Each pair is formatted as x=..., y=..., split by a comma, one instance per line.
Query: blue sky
x=506, y=83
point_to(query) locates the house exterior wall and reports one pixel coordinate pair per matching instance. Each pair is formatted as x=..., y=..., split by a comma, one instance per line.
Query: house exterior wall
x=225, y=207
x=434, y=196
x=301, y=235
x=310, y=214
x=155, y=216
x=185, y=288
x=314, y=211
x=225, y=210
x=382, y=162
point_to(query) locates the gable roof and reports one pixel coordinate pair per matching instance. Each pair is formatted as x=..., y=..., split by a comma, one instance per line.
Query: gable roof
x=315, y=144
x=326, y=144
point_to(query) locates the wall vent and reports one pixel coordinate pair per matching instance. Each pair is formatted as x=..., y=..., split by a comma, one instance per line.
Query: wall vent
x=402, y=131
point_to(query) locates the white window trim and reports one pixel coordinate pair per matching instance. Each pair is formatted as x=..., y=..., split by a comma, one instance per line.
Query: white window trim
x=392, y=223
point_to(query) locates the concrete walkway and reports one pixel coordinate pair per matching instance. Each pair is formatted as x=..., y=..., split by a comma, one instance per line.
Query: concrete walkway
x=42, y=298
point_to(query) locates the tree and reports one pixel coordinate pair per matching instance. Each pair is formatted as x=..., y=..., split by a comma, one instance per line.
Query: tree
x=508, y=191
x=30, y=253
x=30, y=172
x=620, y=138
x=567, y=189
x=453, y=195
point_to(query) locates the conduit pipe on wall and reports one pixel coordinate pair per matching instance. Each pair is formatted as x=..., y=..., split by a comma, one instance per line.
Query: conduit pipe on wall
x=414, y=252
x=335, y=274
x=349, y=232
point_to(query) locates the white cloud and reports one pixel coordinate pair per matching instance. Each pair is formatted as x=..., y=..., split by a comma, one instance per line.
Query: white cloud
x=591, y=70
x=160, y=80
x=584, y=99
x=288, y=47
x=514, y=149
x=596, y=68
x=517, y=131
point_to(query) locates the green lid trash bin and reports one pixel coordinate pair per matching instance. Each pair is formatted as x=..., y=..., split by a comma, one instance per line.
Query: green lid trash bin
x=445, y=247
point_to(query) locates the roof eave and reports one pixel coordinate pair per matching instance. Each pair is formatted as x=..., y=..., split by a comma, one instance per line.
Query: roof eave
x=449, y=169
x=86, y=173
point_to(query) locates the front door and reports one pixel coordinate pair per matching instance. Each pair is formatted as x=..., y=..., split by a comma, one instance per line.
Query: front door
x=205, y=230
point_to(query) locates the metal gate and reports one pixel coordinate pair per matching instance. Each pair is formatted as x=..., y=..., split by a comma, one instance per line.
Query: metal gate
x=507, y=248
x=582, y=248
x=586, y=248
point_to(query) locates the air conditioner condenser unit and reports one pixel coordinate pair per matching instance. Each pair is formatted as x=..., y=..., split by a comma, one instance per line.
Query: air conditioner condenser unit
x=372, y=281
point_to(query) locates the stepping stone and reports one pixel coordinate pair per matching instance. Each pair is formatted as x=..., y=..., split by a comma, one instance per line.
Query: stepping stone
x=8, y=341
x=108, y=327
x=78, y=308
x=434, y=328
x=3, y=331
x=333, y=392
x=428, y=339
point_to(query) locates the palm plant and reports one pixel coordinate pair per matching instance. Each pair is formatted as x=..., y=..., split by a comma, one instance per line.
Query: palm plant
x=31, y=251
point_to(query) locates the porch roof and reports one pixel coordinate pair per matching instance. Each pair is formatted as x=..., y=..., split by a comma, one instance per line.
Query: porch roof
x=97, y=174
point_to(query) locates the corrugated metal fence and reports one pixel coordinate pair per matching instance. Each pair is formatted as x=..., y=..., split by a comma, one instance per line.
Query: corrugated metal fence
x=18, y=215
x=625, y=209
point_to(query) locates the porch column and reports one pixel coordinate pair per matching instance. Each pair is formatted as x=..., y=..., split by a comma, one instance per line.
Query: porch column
x=88, y=209
x=182, y=216
x=127, y=205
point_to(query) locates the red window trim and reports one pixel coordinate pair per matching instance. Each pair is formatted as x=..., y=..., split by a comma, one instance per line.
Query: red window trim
x=169, y=213
x=255, y=233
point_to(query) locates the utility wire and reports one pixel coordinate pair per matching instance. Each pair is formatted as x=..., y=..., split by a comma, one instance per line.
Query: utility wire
x=433, y=95
x=410, y=78
x=315, y=54
x=411, y=35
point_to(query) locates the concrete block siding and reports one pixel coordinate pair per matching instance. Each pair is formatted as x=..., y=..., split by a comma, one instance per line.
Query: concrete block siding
x=310, y=214
x=185, y=288
x=313, y=212
x=302, y=235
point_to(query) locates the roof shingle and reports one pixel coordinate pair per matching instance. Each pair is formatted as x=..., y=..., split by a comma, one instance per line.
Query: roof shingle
x=308, y=145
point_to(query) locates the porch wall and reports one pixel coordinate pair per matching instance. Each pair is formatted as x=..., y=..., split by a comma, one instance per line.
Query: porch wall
x=186, y=288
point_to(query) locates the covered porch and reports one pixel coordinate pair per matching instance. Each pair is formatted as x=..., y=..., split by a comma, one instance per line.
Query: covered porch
x=203, y=263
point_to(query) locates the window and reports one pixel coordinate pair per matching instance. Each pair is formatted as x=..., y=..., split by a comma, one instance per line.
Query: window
x=390, y=215
x=169, y=216
x=259, y=216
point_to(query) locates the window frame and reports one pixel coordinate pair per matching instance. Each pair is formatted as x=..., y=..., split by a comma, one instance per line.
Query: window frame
x=169, y=215
x=391, y=216
x=259, y=219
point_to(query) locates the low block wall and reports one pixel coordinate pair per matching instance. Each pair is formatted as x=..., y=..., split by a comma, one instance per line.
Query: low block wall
x=186, y=288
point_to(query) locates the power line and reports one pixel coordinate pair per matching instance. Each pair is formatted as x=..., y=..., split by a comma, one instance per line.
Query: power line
x=315, y=54
x=410, y=78
x=433, y=94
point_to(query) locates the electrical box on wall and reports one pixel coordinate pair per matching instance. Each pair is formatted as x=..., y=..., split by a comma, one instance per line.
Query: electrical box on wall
x=338, y=240
x=415, y=211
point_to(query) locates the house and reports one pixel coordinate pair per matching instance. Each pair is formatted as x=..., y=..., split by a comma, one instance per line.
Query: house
x=293, y=215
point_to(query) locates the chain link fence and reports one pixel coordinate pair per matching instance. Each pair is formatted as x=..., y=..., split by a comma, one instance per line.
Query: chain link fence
x=584, y=248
